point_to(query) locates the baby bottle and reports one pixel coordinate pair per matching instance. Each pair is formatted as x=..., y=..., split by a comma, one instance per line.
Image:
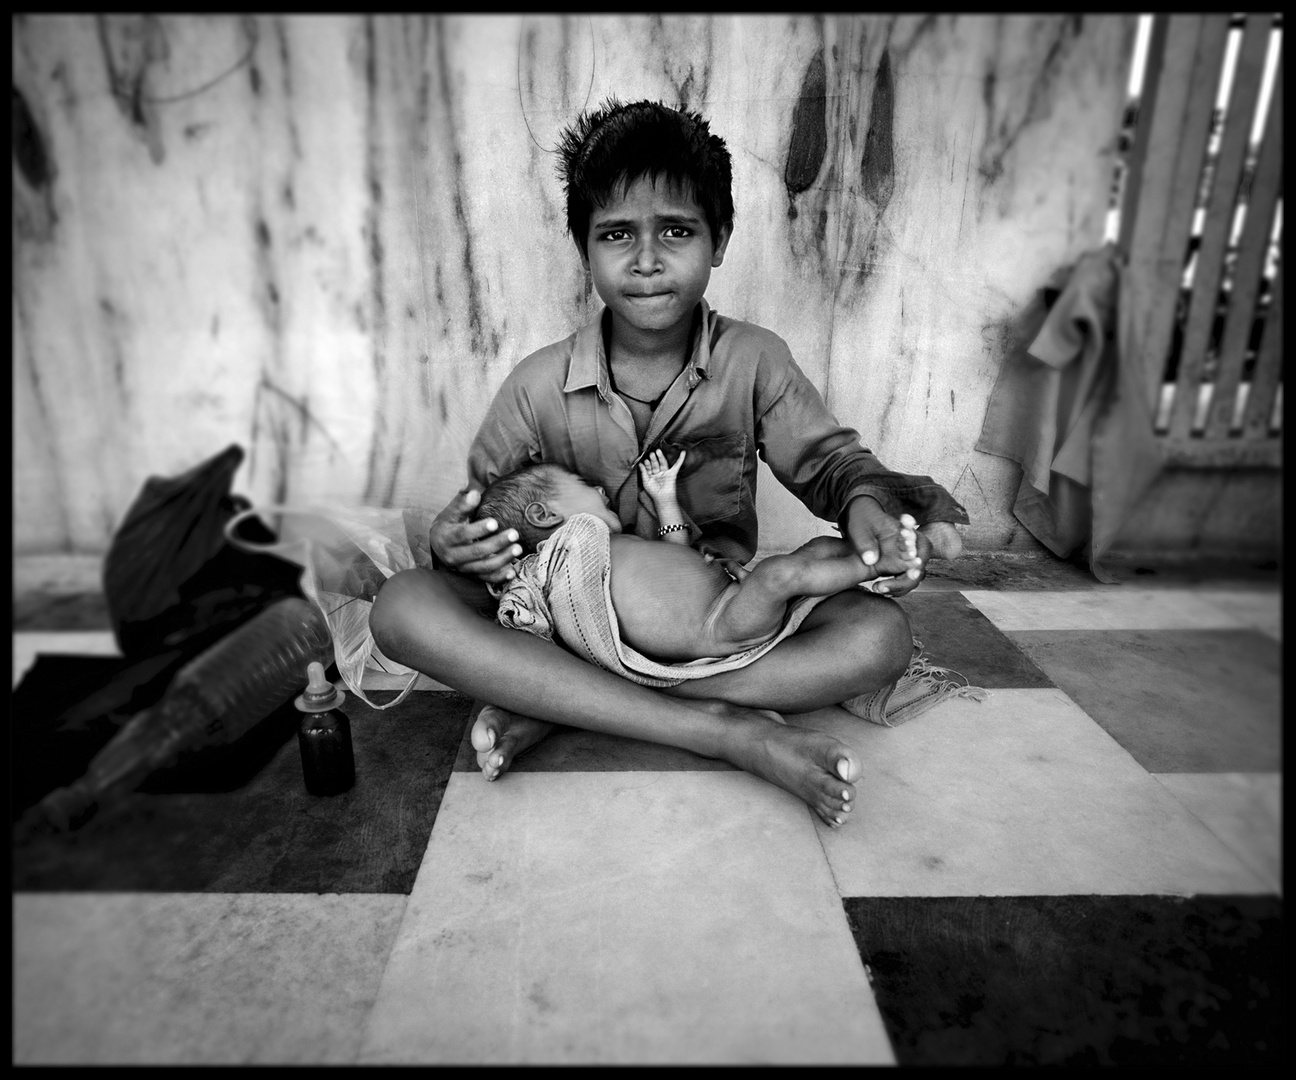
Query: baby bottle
x=324, y=735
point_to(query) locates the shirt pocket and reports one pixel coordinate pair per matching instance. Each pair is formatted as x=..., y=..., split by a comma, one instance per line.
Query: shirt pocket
x=712, y=480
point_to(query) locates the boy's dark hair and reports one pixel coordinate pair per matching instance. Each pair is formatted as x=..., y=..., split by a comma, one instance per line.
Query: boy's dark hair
x=507, y=498
x=610, y=148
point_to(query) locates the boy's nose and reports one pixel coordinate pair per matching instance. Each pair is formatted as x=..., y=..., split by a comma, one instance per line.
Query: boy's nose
x=647, y=257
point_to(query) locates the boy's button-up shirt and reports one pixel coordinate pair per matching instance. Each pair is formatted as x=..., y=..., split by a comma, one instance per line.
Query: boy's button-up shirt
x=739, y=395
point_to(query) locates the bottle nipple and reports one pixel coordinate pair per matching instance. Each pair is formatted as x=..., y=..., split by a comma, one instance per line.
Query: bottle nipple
x=320, y=695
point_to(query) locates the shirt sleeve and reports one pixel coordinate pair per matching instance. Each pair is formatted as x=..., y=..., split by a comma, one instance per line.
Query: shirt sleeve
x=507, y=438
x=825, y=464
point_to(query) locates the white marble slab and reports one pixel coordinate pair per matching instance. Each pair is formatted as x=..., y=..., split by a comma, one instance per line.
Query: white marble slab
x=1110, y=608
x=1260, y=610
x=199, y=978
x=1242, y=809
x=27, y=644
x=632, y=918
x=1022, y=794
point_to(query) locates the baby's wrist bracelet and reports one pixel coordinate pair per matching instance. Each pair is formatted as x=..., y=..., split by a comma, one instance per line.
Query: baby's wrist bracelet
x=666, y=530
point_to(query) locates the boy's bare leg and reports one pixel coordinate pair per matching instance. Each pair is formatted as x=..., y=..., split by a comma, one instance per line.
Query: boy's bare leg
x=418, y=620
x=822, y=567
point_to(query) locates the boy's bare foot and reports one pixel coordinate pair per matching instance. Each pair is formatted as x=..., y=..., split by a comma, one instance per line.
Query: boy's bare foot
x=812, y=765
x=500, y=736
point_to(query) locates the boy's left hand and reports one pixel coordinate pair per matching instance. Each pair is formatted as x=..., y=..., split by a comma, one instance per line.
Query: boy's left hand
x=889, y=545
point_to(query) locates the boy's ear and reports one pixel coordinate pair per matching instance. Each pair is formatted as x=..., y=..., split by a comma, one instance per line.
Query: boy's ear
x=722, y=242
x=539, y=515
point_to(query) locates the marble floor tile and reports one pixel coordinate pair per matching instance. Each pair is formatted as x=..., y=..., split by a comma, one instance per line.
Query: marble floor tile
x=1104, y=608
x=1242, y=809
x=958, y=636
x=624, y=917
x=27, y=644
x=1191, y=701
x=1022, y=794
x=1259, y=609
x=193, y=979
x=1083, y=981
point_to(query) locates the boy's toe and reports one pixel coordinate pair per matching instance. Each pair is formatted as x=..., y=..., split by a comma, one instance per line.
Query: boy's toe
x=484, y=729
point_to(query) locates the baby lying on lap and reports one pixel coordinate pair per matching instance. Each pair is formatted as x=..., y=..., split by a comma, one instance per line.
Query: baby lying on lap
x=673, y=603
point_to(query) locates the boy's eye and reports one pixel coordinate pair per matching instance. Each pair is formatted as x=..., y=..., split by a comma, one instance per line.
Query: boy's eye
x=679, y=232
x=615, y=234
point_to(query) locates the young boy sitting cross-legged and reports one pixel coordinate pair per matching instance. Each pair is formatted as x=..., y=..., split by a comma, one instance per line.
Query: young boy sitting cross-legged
x=671, y=602
x=650, y=209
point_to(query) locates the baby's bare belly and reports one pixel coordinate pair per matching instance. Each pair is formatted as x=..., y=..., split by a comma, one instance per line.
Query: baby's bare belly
x=670, y=601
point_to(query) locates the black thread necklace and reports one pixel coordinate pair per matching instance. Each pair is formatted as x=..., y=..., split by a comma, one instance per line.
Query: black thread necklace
x=651, y=404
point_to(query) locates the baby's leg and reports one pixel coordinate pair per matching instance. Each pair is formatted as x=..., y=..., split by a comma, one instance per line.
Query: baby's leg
x=822, y=567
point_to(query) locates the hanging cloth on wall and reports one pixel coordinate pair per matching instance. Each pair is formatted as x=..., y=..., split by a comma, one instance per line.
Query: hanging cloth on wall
x=1070, y=409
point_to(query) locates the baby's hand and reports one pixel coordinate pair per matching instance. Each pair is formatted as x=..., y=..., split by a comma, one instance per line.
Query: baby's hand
x=657, y=477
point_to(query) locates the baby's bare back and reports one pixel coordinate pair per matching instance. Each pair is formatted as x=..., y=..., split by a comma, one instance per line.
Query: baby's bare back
x=670, y=601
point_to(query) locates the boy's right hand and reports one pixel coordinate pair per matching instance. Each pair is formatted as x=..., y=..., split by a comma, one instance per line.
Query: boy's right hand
x=473, y=547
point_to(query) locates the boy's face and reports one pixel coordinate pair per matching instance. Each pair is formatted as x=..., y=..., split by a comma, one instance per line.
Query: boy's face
x=650, y=253
x=571, y=495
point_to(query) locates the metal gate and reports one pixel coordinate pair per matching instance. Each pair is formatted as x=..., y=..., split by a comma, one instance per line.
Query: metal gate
x=1201, y=226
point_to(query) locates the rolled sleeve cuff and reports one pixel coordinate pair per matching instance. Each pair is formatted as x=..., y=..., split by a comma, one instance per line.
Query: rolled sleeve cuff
x=920, y=496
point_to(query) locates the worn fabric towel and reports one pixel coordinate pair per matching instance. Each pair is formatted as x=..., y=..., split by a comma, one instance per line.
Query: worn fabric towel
x=1071, y=410
x=563, y=591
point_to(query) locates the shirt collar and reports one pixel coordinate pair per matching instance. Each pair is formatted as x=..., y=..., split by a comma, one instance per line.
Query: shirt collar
x=588, y=363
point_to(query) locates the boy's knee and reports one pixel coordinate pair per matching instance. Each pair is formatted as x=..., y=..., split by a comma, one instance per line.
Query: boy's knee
x=393, y=610
x=884, y=639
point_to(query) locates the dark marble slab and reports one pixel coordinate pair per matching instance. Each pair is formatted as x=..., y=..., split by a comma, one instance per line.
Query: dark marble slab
x=1177, y=700
x=1076, y=980
x=958, y=636
x=240, y=820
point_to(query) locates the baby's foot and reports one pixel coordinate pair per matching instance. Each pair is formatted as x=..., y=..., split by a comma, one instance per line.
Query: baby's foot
x=812, y=765
x=499, y=737
x=944, y=538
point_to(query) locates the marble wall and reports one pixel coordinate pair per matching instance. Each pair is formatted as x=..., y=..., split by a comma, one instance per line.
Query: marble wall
x=328, y=238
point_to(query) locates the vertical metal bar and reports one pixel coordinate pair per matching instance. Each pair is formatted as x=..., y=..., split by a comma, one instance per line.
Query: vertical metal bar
x=1265, y=186
x=1268, y=369
x=1219, y=220
x=1176, y=132
x=1146, y=109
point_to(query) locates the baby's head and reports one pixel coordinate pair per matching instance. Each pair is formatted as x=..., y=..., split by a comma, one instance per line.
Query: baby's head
x=536, y=499
x=605, y=151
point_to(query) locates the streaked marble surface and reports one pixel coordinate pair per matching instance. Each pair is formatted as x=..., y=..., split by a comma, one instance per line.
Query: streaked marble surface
x=329, y=237
x=624, y=918
x=1022, y=794
x=28, y=644
x=1116, y=608
x=1243, y=809
x=1260, y=609
x=196, y=978
x=1189, y=701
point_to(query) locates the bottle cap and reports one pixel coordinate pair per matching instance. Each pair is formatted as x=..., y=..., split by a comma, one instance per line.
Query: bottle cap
x=320, y=695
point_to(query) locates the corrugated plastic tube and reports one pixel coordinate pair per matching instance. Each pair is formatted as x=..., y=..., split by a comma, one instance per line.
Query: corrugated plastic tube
x=217, y=697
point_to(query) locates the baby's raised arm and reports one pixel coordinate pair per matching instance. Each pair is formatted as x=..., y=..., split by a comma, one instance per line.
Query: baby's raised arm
x=658, y=481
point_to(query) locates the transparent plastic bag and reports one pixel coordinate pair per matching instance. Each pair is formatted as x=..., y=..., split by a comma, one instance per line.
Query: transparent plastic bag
x=346, y=554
